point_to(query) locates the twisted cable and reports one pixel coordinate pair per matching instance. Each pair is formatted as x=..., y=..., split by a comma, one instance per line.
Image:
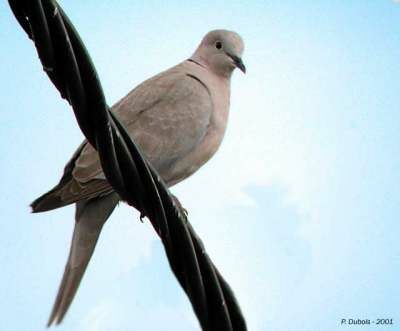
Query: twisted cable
x=68, y=65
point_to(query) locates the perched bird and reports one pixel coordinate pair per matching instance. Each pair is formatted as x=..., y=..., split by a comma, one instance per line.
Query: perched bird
x=177, y=118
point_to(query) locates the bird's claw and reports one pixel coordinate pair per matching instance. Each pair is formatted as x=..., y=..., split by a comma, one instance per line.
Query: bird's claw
x=179, y=206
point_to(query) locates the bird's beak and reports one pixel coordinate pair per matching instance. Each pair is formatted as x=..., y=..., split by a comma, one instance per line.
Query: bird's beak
x=238, y=62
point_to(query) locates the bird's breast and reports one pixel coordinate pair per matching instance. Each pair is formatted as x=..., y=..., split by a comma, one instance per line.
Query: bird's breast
x=219, y=90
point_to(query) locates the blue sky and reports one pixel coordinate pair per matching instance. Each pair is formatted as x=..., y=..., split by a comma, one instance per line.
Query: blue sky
x=302, y=200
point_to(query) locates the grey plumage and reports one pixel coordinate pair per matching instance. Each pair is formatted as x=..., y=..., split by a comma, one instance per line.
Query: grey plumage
x=177, y=118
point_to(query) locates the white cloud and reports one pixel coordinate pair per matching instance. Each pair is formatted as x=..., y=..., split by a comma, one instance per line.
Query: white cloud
x=102, y=317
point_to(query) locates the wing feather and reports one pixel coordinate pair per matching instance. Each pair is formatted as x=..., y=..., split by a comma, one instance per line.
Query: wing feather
x=167, y=116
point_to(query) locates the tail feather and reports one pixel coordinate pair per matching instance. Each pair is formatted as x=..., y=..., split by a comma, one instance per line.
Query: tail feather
x=90, y=218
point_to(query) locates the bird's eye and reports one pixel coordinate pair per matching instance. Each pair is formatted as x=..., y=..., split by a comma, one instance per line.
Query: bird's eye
x=218, y=45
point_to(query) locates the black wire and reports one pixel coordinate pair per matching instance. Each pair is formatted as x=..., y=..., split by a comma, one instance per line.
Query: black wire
x=68, y=65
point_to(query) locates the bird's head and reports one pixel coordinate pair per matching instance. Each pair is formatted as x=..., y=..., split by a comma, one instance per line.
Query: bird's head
x=221, y=51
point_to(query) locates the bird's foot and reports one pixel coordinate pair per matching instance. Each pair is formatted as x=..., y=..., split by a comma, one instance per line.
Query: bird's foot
x=179, y=206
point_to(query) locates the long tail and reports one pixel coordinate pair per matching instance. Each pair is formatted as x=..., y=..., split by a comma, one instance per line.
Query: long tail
x=89, y=219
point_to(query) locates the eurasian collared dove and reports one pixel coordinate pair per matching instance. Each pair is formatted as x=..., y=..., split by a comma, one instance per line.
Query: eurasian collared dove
x=177, y=118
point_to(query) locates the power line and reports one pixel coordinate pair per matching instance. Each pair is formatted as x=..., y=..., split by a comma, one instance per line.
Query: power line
x=68, y=65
